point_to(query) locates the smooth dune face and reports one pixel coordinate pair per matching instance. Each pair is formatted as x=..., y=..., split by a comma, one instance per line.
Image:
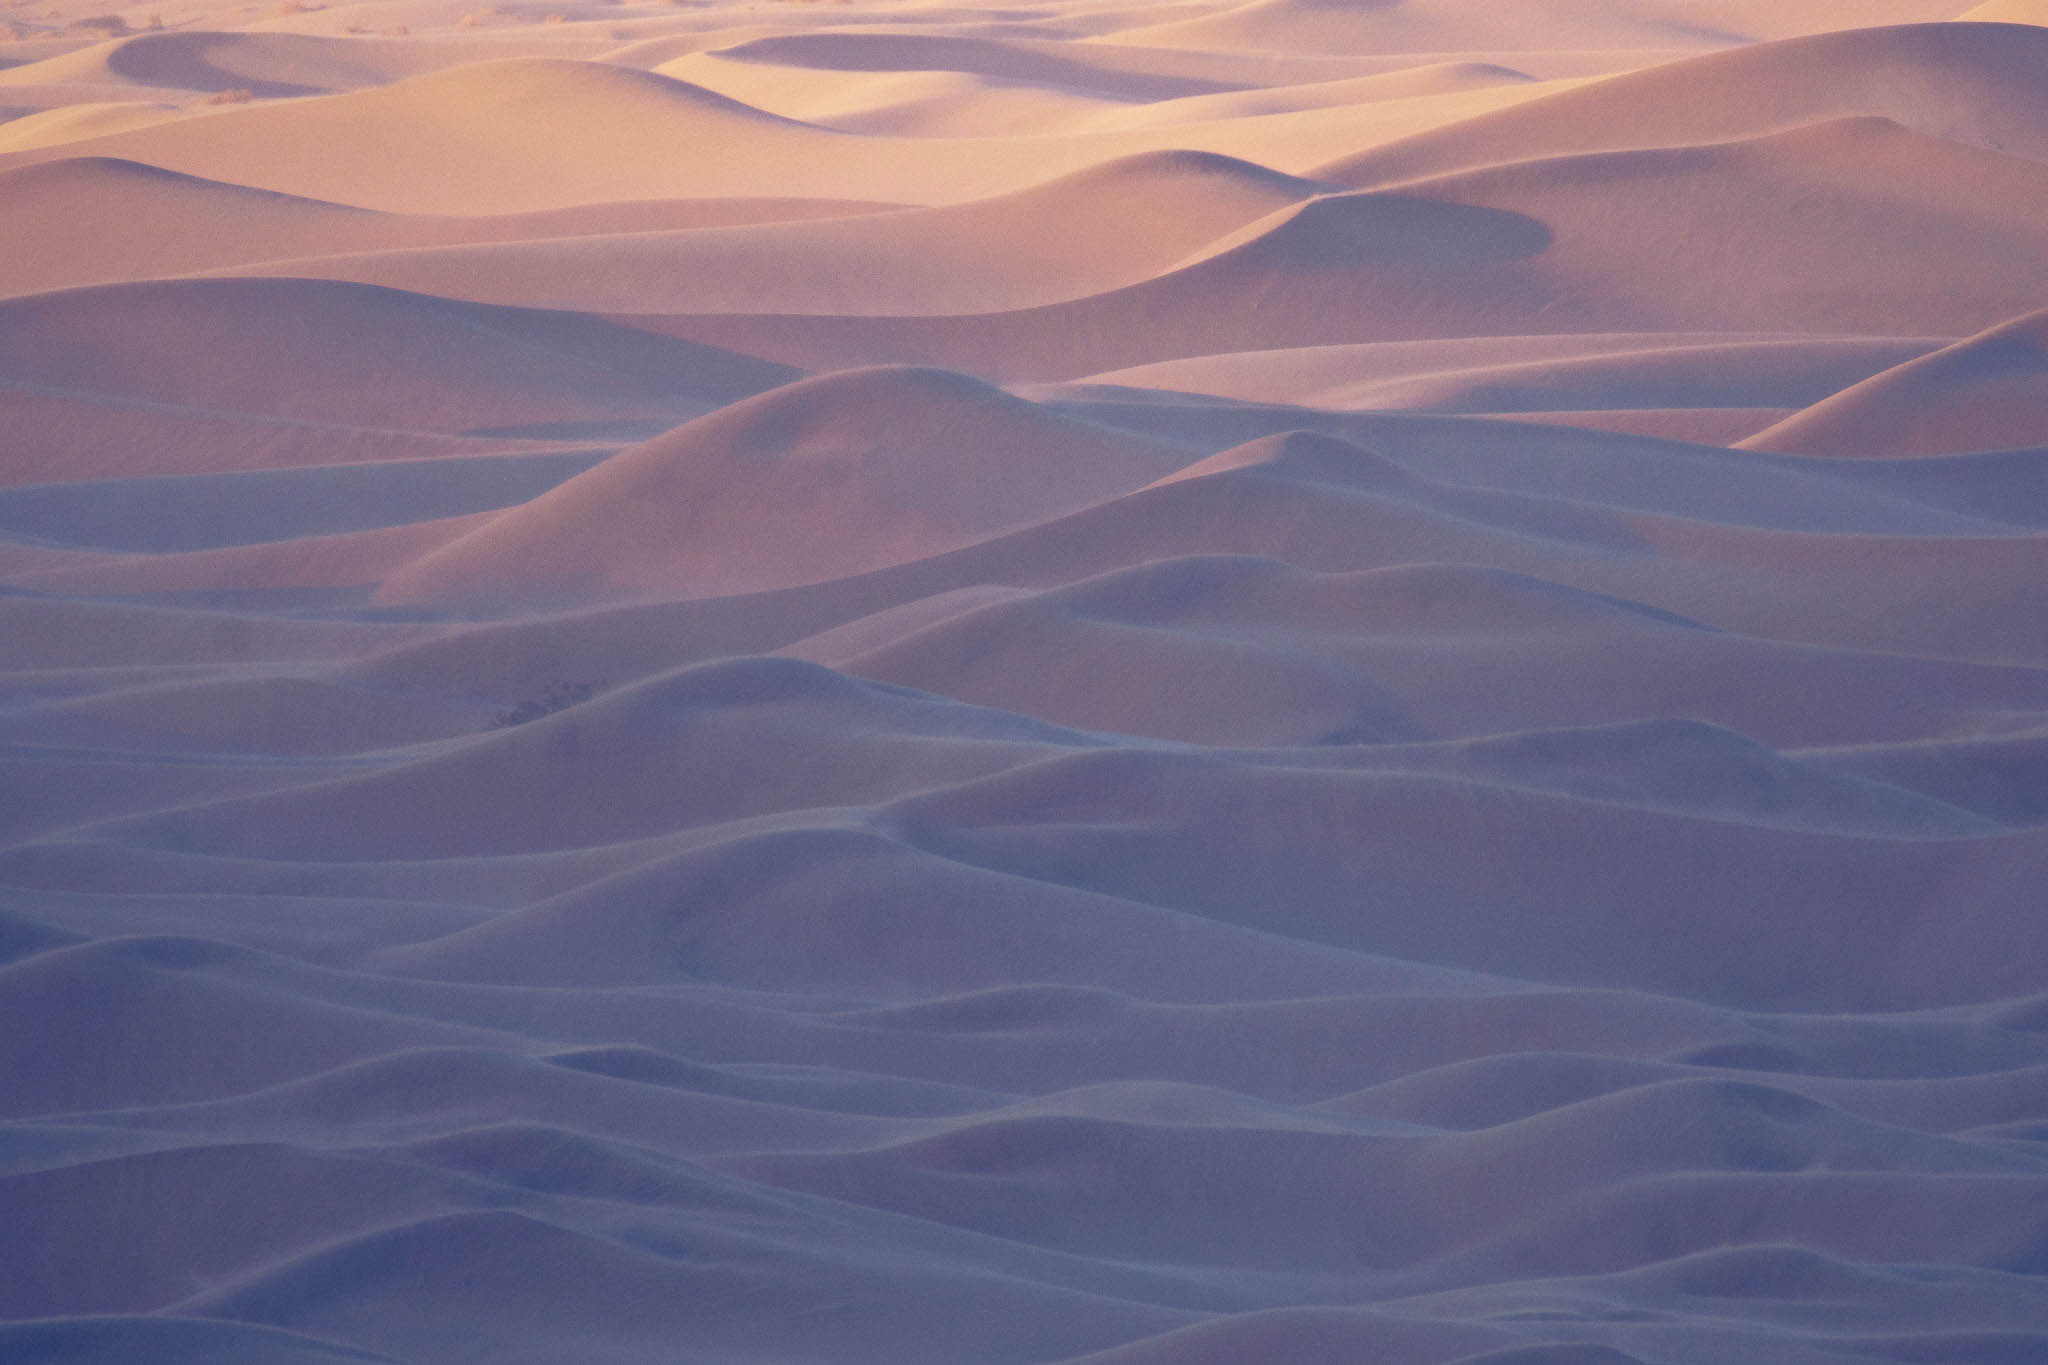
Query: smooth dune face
x=1306, y=680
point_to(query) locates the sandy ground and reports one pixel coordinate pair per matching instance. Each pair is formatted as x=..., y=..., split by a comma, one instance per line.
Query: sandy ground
x=1132, y=683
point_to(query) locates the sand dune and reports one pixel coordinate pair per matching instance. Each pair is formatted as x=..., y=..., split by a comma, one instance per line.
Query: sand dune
x=76, y=122
x=1631, y=371
x=703, y=510
x=287, y=348
x=1985, y=393
x=1096, y=230
x=900, y=103
x=1960, y=82
x=162, y=223
x=1466, y=25
x=267, y=65
x=99, y=220
x=1566, y=245
x=2007, y=12
x=1169, y=73
x=68, y=437
x=664, y=138
x=1365, y=656
x=538, y=149
x=1198, y=682
x=1873, y=162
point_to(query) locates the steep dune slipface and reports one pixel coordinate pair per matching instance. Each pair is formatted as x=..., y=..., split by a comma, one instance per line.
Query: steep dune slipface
x=822, y=684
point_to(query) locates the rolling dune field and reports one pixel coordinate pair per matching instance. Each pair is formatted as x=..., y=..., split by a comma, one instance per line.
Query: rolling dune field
x=1100, y=682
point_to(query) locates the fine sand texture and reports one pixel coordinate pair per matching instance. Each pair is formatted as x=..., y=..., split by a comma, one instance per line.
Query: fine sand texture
x=1113, y=682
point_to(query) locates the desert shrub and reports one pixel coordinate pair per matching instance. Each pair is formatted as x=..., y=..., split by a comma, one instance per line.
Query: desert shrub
x=231, y=97
x=109, y=24
x=557, y=696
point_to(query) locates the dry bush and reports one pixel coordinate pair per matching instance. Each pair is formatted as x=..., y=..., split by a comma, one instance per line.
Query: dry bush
x=231, y=97
x=109, y=24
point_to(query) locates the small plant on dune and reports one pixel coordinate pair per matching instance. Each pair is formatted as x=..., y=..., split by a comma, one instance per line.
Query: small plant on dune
x=556, y=696
x=109, y=24
x=231, y=97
